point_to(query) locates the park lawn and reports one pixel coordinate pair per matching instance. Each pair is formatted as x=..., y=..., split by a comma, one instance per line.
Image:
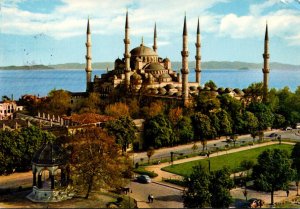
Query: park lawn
x=231, y=160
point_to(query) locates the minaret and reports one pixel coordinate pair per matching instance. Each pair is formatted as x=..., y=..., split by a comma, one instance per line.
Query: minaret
x=127, y=53
x=154, y=39
x=266, y=68
x=185, y=67
x=88, y=57
x=198, y=56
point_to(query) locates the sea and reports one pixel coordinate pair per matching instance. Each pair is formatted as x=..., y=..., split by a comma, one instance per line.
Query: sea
x=15, y=83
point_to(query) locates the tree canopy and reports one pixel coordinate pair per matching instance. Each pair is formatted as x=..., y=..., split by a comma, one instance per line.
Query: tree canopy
x=158, y=132
x=273, y=171
x=123, y=129
x=220, y=185
x=196, y=194
x=95, y=161
x=17, y=148
x=204, y=189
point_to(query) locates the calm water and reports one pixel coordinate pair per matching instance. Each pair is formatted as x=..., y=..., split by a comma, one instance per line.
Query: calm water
x=20, y=82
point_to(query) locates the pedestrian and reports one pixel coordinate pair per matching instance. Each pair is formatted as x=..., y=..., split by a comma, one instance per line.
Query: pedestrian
x=152, y=198
x=149, y=198
x=287, y=193
x=260, y=203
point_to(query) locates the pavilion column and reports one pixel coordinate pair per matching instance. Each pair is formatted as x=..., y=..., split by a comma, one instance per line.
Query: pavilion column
x=40, y=181
x=63, y=177
x=34, y=179
x=52, y=181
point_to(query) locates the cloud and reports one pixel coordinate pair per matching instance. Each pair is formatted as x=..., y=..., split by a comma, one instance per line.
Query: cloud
x=280, y=21
x=107, y=17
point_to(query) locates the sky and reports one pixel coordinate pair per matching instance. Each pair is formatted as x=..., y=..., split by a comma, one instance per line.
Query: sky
x=54, y=31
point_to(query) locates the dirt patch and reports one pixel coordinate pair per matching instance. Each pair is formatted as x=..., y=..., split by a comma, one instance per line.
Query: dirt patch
x=96, y=200
x=15, y=180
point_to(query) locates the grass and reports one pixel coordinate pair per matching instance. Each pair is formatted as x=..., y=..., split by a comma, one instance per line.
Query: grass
x=231, y=160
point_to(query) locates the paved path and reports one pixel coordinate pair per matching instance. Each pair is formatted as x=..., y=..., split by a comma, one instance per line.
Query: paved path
x=237, y=192
x=164, y=197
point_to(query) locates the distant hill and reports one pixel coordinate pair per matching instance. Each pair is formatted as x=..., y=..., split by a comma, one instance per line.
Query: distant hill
x=26, y=67
x=175, y=66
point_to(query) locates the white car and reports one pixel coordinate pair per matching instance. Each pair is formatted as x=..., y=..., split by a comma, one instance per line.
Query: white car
x=288, y=129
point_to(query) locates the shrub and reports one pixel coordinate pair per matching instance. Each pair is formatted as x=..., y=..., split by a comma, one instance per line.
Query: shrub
x=175, y=181
x=142, y=171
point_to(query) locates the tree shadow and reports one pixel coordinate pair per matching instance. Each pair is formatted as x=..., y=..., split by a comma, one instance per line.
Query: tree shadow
x=176, y=198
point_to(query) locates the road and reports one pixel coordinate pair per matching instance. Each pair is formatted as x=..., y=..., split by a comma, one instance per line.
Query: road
x=211, y=145
x=164, y=197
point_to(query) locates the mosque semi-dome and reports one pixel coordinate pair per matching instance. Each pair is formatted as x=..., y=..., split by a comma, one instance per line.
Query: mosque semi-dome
x=155, y=66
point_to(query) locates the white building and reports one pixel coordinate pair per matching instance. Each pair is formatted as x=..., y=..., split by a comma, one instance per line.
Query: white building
x=8, y=108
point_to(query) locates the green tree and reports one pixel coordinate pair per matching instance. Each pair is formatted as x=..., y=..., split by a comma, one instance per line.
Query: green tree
x=123, y=129
x=220, y=185
x=234, y=108
x=251, y=122
x=273, y=100
x=273, y=171
x=9, y=152
x=194, y=147
x=246, y=165
x=296, y=162
x=279, y=121
x=215, y=123
x=205, y=102
x=29, y=140
x=150, y=153
x=202, y=127
x=184, y=130
x=225, y=123
x=96, y=161
x=17, y=148
x=263, y=113
x=254, y=93
x=196, y=194
x=210, y=84
x=158, y=132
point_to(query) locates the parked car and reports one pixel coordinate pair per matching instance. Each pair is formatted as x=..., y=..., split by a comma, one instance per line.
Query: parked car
x=297, y=125
x=255, y=203
x=288, y=128
x=144, y=179
x=273, y=135
x=229, y=140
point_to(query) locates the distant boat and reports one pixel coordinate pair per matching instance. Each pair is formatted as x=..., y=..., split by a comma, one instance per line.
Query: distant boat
x=244, y=68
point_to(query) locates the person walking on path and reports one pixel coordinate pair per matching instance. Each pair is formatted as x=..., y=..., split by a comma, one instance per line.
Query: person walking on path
x=287, y=193
x=151, y=198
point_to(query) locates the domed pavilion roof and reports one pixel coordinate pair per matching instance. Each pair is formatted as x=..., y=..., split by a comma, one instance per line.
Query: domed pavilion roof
x=49, y=155
x=142, y=51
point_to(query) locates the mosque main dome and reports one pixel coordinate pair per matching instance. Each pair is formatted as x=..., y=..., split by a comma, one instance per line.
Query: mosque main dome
x=142, y=51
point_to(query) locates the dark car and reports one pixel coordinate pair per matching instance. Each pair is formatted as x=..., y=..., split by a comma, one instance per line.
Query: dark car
x=144, y=179
x=273, y=135
x=255, y=203
x=229, y=140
